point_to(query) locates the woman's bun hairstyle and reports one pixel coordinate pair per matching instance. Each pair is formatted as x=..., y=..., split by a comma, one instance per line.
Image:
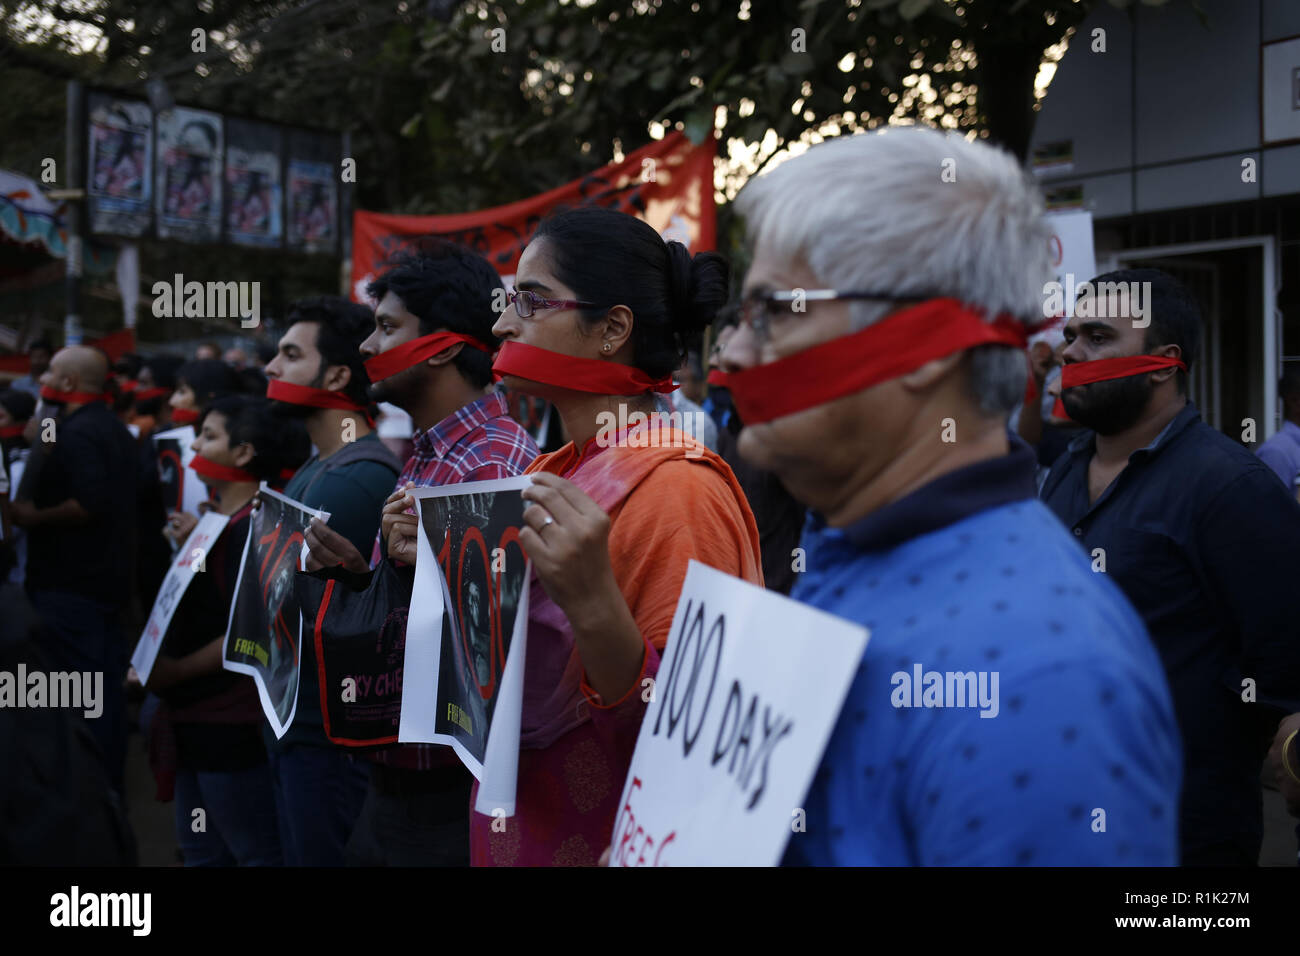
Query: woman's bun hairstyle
x=699, y=285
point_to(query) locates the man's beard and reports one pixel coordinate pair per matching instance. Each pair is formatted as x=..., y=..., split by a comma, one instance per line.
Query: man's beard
x=1108, y=407
x=290, y=410
x=402, y=389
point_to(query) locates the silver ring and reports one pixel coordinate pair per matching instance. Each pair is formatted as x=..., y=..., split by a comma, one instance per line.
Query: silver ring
x=549, y=520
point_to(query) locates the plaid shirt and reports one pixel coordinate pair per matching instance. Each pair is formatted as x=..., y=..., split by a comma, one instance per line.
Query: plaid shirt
x=480, y=442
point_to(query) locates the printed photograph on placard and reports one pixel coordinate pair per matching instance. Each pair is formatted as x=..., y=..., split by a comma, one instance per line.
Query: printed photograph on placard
x=264, y=637
x=181, y=487
x=118, y=187
x=313, y=205
x=476, y=539
x=253, y=189
x=189, y=175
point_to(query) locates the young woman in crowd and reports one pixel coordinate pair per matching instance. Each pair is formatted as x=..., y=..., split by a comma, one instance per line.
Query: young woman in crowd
x=206, y=740
x=602, y=315
x=197, y=383
x=154, y=383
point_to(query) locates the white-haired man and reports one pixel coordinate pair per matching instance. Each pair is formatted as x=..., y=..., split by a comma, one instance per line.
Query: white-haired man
x=1009, y=708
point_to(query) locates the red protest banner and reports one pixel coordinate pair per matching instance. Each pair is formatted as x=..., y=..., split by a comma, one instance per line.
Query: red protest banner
x=668, y=183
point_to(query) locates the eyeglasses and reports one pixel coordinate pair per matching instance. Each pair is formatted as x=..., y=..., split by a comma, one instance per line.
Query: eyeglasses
x=760, y=309
x=526, y=303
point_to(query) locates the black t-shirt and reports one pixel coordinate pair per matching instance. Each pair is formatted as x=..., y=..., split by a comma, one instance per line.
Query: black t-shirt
x=153, y=554
x=1205, y=542
x=201, y=617
x=93, y=459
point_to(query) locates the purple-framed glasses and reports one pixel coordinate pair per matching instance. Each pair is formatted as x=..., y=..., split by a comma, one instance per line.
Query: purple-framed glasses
x=526, y=303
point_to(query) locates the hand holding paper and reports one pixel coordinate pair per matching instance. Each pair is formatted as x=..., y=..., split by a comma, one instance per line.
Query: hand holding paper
x=399, y=526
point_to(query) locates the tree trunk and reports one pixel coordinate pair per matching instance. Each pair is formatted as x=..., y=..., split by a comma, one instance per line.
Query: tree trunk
x=1006, y=91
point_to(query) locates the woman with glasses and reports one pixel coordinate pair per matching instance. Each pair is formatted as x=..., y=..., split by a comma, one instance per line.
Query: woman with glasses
x=602, y=314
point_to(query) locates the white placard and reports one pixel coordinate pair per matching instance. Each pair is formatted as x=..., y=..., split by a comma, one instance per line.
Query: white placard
x=748, y=692
x=462, y=683
x=1073, y=262
x=191, y=488
x=190, y=560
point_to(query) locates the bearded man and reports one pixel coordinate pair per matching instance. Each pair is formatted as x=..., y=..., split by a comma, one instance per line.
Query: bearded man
x=1200, y=536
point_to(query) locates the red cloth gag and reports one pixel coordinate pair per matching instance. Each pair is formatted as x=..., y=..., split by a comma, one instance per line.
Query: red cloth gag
x=185, y=416
x=401, y=357
x=282, y=391
x=78, y=398
x=1102, y=370
x=577, y=374
x=897, y=344
x=210, y=469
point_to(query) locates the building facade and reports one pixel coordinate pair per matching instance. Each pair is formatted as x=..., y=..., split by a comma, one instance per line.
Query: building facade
x=1182, y=137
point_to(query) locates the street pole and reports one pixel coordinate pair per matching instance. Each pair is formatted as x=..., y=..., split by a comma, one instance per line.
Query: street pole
x=345, y=224
x=75, y=165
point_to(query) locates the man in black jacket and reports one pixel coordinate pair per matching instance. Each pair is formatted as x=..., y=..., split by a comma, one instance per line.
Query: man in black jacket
x=80, y=522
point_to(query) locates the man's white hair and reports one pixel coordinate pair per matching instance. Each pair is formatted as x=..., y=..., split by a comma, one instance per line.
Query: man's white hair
x=910, y=210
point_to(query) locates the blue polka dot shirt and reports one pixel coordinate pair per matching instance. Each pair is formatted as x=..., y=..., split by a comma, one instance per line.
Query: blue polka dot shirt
x=1009, y=708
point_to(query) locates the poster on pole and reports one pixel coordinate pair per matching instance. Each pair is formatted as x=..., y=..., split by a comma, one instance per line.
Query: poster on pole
x=185, y=564
x=254, y=194
x=119, y=169
x=313, y=206
x=188, y=175
x=466, y=632
x=749, y=688
x=182, y=488
x=264, y=636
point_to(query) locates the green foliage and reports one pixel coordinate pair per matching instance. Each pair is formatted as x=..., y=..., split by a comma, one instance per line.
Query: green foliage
x=441, y=121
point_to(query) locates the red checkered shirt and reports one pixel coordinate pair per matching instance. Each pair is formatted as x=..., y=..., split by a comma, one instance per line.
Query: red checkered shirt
x=480, y=442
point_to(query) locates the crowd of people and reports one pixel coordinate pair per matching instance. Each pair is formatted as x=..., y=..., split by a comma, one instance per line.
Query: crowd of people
x=889, y=432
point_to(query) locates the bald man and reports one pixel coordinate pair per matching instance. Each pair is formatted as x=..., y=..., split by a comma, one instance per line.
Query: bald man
x=80, y=521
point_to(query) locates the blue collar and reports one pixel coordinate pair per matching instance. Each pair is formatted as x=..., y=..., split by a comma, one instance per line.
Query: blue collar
x=947, y=500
